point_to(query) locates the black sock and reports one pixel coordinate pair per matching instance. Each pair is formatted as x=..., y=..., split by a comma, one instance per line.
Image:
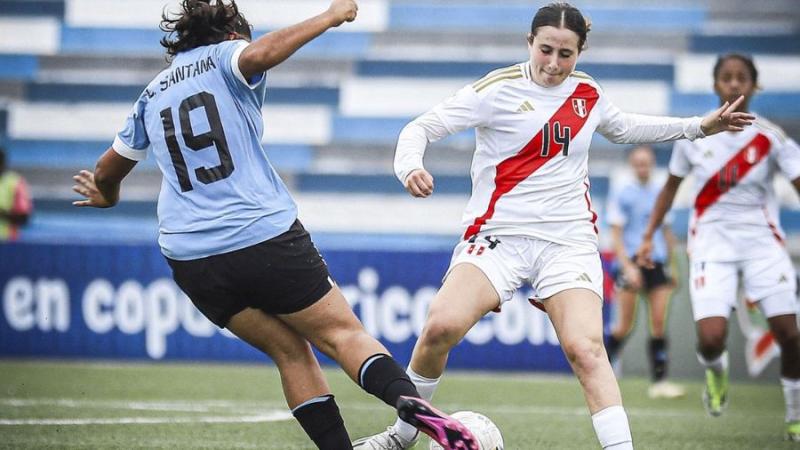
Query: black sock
x=613, y=346
x=322, y=422
x=381, y=376
x=658, y=358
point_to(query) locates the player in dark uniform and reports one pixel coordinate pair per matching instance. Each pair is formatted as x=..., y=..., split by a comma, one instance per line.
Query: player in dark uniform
x=228, y=226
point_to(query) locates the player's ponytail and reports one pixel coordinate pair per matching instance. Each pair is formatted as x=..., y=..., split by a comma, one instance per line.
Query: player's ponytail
x=202, y=22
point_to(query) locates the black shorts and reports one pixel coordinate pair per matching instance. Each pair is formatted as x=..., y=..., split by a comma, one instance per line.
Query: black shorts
x=282, y=275
x=651, y=278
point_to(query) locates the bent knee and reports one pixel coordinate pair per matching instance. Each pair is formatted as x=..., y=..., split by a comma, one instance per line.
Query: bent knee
x=440, y=333
x=585, y=354
x=711, y=342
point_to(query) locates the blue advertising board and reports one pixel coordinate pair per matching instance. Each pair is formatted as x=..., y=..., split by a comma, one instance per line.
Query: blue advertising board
x=119, y=301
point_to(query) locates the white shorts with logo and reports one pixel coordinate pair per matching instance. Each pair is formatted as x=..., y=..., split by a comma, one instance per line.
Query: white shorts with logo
x=770, y=281
x=549, y=268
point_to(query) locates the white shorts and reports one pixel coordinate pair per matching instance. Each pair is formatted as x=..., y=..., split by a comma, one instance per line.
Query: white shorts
x=769, y=281
x=549, y=268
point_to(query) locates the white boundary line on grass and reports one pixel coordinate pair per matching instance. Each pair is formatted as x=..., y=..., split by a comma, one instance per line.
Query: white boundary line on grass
x=254, y=412
x=276, y=416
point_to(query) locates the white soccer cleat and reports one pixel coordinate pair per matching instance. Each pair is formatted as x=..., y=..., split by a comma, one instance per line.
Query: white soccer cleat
x=388, y=440
x=665, y=389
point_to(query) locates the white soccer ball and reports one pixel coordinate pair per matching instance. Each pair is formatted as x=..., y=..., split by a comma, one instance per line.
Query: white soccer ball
x=487, y=433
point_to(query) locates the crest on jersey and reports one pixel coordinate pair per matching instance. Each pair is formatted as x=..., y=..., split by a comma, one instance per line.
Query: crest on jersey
x=751, y=154
x=579, y=106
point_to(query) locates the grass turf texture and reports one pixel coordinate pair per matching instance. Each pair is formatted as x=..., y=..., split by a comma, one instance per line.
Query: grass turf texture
x=46, y=404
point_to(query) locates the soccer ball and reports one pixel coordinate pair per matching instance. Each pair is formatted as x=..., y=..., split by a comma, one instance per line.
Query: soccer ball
x=485, y=431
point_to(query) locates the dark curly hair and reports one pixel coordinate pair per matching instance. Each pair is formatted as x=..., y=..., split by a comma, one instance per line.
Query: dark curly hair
x=202, y=23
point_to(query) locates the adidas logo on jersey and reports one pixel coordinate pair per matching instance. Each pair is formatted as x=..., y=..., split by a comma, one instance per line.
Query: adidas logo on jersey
x=526, y=106
x=783, y=279
x=584, y=277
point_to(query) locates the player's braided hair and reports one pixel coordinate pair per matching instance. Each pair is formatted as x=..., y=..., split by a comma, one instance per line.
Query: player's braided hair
x=202, y=22
x=747, y=60
x=562, y=15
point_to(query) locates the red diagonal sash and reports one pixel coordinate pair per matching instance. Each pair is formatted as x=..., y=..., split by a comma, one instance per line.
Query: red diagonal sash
x=513, y=170
x=730, y=174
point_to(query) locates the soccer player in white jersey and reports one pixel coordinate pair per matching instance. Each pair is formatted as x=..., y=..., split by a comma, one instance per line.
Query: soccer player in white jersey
x=228, y=227
x=530, y=218
x=734, y=230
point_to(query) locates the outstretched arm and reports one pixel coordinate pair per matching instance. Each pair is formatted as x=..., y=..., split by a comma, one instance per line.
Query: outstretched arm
x=273, y=48
x=660, y=209
x=101, y=187
x=628, y=128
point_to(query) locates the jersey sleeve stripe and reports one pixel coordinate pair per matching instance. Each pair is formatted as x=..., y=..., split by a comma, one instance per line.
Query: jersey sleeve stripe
x=124, y=150
x=237, y=72
x=579, y=74
x=494, y=75
x=498, y=79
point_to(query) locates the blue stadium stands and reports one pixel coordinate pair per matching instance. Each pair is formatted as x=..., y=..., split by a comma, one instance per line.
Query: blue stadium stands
x=61, y=100
x=488, y=17
x=18, y=67
x=37, y=8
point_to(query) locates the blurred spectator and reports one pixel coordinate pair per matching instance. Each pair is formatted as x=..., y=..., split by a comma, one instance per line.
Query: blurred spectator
x=628, y=211
x=15, y=201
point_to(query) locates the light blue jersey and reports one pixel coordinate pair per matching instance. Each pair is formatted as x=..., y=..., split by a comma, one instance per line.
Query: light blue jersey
x=630, y=206
x=202, y=121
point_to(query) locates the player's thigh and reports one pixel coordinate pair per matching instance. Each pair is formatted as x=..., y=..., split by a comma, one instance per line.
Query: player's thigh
x=712, y=288
x=270, y=335
x=625, y=308
x=326, y=321
x=465, y=297
x=771, y=282
x=576, y=314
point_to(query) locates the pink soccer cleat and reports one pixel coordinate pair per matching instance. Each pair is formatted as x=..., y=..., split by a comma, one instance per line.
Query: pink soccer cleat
x=448, y=432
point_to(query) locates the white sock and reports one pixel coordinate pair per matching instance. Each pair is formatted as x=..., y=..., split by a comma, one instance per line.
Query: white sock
x=719, y=365
x=612, y=429
x=426, y=388
x=791, y=395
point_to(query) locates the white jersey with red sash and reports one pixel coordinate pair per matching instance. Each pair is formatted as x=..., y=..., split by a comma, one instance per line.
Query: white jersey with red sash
x=529, y=172
x=735, y=213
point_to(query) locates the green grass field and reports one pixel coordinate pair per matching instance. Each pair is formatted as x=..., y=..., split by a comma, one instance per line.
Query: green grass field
x=130, y=405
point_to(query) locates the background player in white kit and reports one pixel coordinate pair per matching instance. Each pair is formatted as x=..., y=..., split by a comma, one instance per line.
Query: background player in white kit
x=228, y=226
x=530, y=219
x=734, y=229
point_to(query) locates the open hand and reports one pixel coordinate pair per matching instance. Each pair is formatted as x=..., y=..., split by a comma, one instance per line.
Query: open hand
x=726, y=118
x=419, y=183
x=86, y=187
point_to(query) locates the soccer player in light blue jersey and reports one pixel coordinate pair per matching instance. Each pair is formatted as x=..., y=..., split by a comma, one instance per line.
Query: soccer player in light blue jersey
x=228, y=226
x=628, y=211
